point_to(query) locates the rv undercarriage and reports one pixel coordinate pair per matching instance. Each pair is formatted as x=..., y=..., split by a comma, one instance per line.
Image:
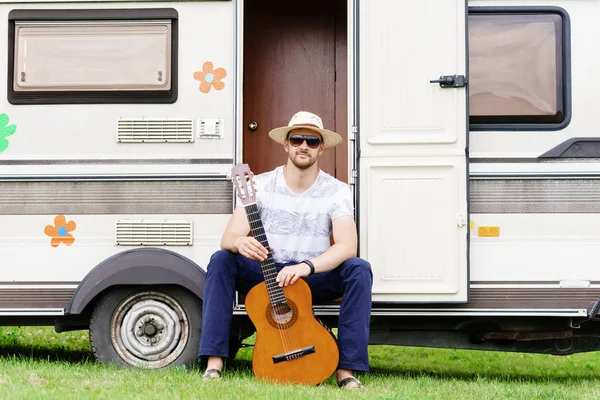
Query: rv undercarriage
x=557, y=336
x=541, y=334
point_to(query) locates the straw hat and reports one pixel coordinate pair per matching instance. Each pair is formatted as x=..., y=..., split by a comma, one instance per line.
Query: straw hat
x=305, y=119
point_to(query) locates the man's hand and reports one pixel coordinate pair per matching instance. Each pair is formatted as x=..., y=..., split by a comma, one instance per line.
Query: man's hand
x=290, y=274
x=251, y=248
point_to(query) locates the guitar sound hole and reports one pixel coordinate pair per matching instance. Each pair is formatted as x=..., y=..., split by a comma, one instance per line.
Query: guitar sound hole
x=282, y=315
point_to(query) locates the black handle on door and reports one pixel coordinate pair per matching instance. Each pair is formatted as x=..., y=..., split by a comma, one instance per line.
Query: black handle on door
x=451, y=81
x=446, y=80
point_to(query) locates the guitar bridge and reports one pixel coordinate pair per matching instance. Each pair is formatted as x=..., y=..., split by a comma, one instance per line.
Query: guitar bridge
x=292, y=355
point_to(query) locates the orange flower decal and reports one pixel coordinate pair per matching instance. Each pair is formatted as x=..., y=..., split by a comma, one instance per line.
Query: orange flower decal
x=60, y=231
x=210, y=77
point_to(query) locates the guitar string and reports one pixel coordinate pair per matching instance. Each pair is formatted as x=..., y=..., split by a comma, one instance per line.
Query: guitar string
x=285, y=335
x=252, y=209
x=274, y=297
x=256, y=225
x=270, y=283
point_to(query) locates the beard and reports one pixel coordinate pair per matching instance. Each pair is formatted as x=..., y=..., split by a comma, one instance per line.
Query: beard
x=304, y=162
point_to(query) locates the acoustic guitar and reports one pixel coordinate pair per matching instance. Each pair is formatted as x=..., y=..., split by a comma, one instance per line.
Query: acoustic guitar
x=292, y=346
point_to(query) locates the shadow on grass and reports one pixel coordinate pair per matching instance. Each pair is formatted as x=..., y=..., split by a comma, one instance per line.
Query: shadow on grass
x=456, y=372
x=37, y=353
x=242, y=365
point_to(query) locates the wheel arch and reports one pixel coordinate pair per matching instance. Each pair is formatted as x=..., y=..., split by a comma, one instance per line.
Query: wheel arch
x=145, y=266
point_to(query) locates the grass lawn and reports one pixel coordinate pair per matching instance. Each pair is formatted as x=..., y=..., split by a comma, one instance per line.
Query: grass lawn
x=36, y=363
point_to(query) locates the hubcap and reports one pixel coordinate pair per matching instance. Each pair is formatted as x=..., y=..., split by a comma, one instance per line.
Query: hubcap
x=149, y=329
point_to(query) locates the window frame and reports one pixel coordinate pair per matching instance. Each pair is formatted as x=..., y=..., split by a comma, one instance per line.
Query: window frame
x=565, y=64
x=92, y=96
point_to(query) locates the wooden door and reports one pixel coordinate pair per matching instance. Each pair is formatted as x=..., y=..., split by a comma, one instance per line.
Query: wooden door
x=294, y=60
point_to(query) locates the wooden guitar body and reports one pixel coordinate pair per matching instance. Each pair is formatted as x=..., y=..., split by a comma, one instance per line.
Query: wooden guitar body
x=298, y=348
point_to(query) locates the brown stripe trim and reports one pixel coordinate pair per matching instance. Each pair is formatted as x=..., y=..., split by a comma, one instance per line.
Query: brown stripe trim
x=525, y=196
x=532, y=298
x=116, y=197
x=35, y=298
x=480, y=298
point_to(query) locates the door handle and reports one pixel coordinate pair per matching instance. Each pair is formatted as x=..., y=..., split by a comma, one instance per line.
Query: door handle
x=253, y=125
x=451, y=81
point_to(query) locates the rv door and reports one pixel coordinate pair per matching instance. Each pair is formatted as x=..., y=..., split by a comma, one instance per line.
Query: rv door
x=412, y=147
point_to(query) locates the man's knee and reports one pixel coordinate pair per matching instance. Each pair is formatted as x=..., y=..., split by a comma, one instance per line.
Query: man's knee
x=357, y=268
x=221, y=260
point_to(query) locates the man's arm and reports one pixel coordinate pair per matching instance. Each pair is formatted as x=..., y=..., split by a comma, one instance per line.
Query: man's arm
x=344, y=247
x=236, y=239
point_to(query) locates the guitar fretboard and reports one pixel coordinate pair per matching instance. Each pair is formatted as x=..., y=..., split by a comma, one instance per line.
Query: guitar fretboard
x=268, y=266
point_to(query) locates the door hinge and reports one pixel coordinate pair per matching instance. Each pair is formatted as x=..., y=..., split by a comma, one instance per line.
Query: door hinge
x=451, y=81
x=353, y=177
x=461, y=220
x=353, y=132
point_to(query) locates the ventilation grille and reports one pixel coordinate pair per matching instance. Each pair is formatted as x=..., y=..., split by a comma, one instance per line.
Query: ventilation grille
x=145, y=130
x=153, y=233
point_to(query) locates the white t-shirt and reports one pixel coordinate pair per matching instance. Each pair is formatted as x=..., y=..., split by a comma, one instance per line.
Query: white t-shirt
x=298, y=226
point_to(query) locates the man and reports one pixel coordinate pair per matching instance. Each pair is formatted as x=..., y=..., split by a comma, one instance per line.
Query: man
x=301, y=207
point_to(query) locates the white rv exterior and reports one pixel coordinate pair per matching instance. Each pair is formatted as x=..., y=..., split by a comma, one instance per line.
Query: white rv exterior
x=477, y=195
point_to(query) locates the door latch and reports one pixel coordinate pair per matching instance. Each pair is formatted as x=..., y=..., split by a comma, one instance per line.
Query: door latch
x=451, y=81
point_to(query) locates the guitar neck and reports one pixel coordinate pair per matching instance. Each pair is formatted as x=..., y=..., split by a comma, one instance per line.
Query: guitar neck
x=268, y=266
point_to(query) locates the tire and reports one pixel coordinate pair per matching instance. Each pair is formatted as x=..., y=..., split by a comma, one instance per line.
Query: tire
x=146, y=327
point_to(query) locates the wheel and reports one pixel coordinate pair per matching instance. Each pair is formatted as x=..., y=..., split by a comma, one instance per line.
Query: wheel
x=146, y=327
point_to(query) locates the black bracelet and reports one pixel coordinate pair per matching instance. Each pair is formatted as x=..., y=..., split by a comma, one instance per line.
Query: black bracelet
x=311, y=265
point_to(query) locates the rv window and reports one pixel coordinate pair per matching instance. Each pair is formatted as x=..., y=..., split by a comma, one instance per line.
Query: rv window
x=516, y=70
x=98, y=60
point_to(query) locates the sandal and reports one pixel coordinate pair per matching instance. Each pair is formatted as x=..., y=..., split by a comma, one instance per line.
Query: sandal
x=211, y=374
x=351, y=383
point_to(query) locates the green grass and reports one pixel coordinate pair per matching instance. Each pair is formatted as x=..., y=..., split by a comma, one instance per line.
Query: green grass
x=36, y=363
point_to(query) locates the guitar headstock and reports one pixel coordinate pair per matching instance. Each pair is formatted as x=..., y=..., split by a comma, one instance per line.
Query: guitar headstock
x=243, y=181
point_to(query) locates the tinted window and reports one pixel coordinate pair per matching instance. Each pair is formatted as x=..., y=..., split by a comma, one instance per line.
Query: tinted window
x=516, y=73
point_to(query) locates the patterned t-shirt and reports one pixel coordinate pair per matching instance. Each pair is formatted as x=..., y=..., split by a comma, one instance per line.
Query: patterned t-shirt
x=298, y=226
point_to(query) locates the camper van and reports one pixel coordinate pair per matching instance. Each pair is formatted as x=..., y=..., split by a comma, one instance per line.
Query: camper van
x=471, y=145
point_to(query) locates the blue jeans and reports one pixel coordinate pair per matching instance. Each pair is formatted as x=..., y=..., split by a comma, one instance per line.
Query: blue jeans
x=228, y=272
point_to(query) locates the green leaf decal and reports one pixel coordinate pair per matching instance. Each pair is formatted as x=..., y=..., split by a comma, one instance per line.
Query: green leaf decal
x=8, y=130
x=5, y=131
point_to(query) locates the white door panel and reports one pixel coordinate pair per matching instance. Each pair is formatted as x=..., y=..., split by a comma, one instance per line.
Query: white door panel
x=416, y=235
x=413, y=136
x=404, y=45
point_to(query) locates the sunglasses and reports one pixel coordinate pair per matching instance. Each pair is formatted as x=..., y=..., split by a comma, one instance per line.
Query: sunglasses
x=312, y=141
